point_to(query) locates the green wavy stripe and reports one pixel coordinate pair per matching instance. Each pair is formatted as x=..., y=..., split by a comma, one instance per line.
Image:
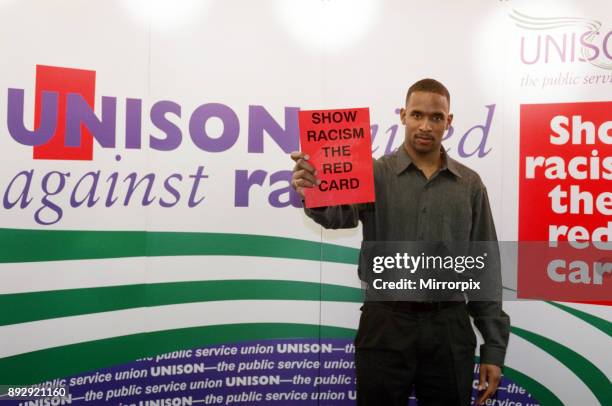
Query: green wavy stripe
x=604, y=325
x=24, y=307
x=588, y=373
x=57, y=245
x=69, y=360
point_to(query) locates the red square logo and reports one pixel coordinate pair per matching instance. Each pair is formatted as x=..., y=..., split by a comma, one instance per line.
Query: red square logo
x=64, y=81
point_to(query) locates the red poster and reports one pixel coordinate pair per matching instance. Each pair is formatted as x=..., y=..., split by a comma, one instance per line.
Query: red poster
x=340, y=148
x=565, y=203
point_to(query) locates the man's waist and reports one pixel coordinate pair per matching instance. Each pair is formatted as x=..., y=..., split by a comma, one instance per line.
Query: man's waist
x=417, y=307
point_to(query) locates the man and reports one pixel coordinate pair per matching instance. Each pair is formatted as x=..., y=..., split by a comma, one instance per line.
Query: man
x=421, y=195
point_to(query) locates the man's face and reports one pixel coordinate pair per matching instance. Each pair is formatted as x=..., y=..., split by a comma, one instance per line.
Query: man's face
x=426, y=118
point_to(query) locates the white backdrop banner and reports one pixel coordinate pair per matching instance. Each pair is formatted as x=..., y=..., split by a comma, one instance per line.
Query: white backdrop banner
x=152, y=251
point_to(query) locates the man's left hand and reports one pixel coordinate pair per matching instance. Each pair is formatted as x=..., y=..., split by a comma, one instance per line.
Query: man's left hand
x=490, y=376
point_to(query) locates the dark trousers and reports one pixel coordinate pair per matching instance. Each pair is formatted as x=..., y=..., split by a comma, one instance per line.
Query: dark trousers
x=430, y=351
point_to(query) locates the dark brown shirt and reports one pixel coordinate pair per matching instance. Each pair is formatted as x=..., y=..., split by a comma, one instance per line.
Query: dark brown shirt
x=452, y=205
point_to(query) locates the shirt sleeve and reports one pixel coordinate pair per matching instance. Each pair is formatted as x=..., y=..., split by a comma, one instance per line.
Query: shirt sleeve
x=344, y=216
x=489, y=317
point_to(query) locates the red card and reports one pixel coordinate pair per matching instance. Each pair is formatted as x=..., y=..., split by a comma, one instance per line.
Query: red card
x=340, y=148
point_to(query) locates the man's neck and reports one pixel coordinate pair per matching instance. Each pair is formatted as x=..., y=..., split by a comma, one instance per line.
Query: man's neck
x=428, y=163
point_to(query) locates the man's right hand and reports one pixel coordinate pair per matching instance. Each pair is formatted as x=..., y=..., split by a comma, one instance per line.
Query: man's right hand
x=304, y=174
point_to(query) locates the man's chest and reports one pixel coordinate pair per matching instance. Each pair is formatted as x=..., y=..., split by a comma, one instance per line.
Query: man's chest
x=414, y=208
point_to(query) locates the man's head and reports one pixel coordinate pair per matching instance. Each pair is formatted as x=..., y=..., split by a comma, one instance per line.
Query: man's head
x=426, y=117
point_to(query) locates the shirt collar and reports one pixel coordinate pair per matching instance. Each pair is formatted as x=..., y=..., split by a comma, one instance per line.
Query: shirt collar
x=450, y=164
x=404, y=161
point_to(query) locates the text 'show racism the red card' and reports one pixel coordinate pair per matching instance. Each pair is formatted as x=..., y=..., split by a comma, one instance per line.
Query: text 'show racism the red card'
x=340, y=148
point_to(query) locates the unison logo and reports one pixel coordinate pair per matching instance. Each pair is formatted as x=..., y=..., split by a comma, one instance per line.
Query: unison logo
x=563, y=40
x=65, y=123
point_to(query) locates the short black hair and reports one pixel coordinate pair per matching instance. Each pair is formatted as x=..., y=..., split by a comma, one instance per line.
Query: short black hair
x=429, y=85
